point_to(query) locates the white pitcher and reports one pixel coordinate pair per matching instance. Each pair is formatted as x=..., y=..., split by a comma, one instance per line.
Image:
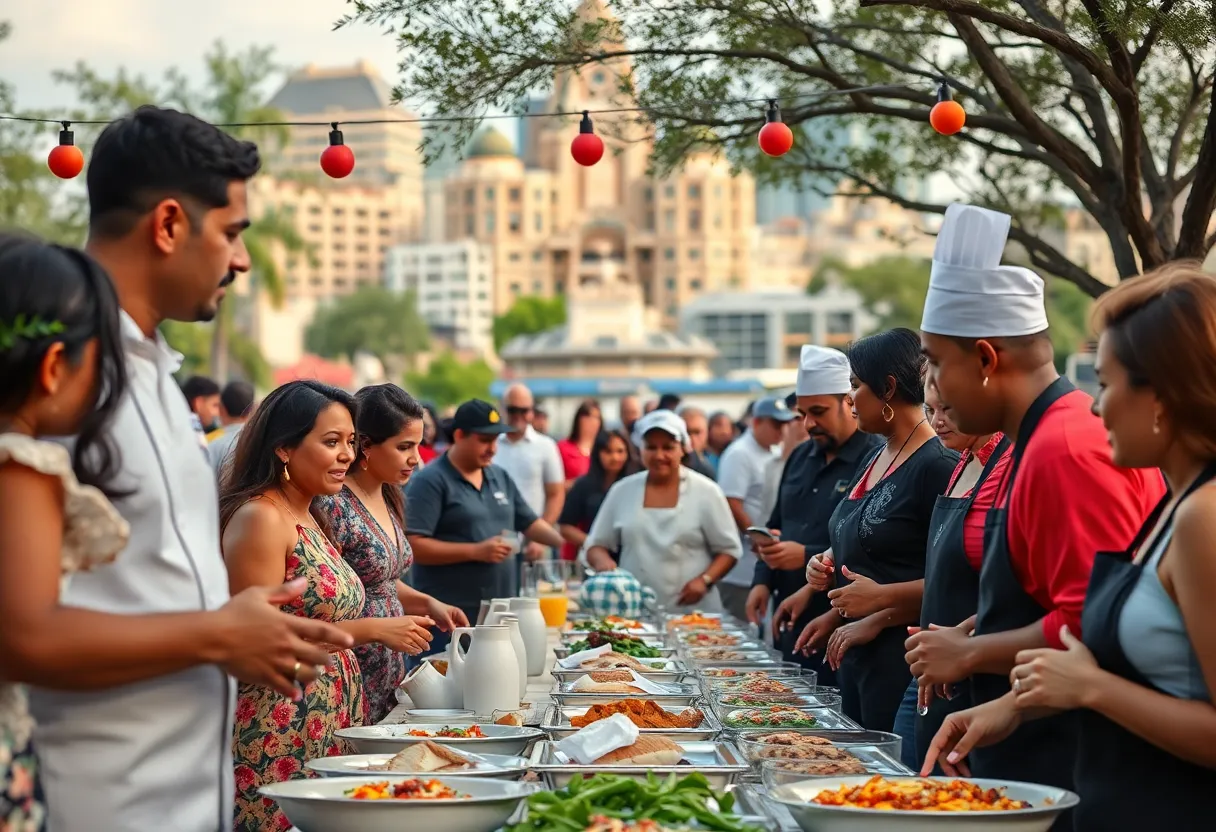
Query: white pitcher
x=455, y=667
x=498, y=608
x=511, y=622
x=484, y=667
x=536, y=634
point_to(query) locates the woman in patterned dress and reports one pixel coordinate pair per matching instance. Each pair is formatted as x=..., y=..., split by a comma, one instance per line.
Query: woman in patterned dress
x=368, y=521
x=59, y=350
x=297, y=447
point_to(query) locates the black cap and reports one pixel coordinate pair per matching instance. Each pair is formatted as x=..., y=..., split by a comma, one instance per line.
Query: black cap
x=476, y=416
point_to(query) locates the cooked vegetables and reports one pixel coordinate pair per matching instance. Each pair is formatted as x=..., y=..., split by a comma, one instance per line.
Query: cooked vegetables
x=626, y=645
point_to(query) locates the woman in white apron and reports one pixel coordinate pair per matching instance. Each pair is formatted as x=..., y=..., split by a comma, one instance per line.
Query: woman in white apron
x=671, y=525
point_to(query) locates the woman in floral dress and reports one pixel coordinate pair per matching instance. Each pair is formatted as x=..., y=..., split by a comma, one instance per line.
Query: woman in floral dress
x=368, y=521
x=297, y=447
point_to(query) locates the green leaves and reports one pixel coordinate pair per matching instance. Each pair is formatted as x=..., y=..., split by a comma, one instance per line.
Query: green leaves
x=371, y=319
x=527, y=316
x=450, y=381
x=674, y=800
x=28, y=329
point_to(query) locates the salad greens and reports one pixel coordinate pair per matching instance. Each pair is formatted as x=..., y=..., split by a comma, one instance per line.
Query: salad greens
x=626, y=645
x=673, y=800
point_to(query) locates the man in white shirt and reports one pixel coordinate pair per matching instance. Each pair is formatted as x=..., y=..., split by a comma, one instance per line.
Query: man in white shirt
x=741, y=474
x=533, y=461
x=142, y=740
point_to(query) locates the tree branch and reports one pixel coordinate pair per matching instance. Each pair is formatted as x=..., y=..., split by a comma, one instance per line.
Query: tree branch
x=1151, y=35
x=1201, y=202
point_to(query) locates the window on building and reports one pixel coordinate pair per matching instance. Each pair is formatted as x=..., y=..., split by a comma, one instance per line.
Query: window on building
x=671, y=284
x=339, y=246
x=538, y=256
x=695, y=284
x=514, y=222
x=489, y=222
x=460, y=277
x=838, y=323
x=798, y=323
x=339, y=264
x=483, y=296
x=669, y=220
x=513, y=194
x=598, y=77
x=339, y=212
x=360, y=212
x=540, y=195
x=694, y=254
x=516, y=288
x=669, y=253
x=339, y=229
x=468, y=225
x=489, y=194
x=648, y=194
x=386, y=215
x=717, y=220
x=314, y=229
x=515, y=257
x=361, y=230
x=469, y=196
x=339, y=282
x=363, y=265
x=537, y=287
x=694, y=191
x=644, y=255
x=538, y=221
x=670, y=192
x=362, y=247
x=649, y=221
x=694, y=220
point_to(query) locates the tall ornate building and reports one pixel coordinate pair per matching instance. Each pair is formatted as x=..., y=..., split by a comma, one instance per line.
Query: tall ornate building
x=552, y=223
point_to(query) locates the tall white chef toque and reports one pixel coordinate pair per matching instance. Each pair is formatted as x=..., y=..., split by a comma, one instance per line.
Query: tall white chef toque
x=822, y=371
x=971, y=295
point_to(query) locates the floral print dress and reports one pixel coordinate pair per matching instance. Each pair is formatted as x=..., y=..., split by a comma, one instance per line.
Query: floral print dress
x=274, y=736
x=93, y=534
x=380, y=557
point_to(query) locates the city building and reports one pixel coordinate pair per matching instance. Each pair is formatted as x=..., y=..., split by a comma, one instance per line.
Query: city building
x=453, y=284
x=609, y=333
x=550, y=221
x=766, y=330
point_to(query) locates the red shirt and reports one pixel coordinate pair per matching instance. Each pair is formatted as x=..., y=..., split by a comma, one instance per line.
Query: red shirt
x=1069, y=502
x=574, y=460
x=977, y=515
x=426, y=453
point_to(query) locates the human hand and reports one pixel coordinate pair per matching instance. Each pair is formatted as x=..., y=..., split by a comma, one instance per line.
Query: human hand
x=816, y=634
x=939, y=655
x=819, y=574
x=534, y=551
x=783, y=554
x=788, y=612
x=262, y=645
x=493, y=550
x=1057, y=679
x=853, y=634
x=860, y=598
x=976, y=727
x=445, y=616
x=692, y=592
x=757, y=603
x=405, y=633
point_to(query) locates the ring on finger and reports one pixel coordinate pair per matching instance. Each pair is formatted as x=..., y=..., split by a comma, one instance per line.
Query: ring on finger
x=295, y=672
x=1017, y=685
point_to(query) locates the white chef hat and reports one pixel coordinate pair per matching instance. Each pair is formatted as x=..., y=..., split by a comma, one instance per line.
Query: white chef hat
x=822, y=371
x=665, y=420
x=971, y=295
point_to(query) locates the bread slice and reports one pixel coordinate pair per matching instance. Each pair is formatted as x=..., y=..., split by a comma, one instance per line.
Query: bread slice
x=586, y=684
x=513, y=719
x=611, y=676
x=649, y=750
x=425, y=757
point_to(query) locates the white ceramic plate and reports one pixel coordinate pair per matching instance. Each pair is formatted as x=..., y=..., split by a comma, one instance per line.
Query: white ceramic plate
x=321, y=805
x=498, y=766
x=441, y=716
x=499, y=739
x=812, y=817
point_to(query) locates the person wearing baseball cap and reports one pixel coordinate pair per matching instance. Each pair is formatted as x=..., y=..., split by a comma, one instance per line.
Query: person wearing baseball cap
x=671, y=525
x=464, y=515
x=741, y=474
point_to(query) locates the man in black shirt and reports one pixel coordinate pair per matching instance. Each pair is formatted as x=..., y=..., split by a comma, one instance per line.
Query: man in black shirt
x=457, y=509
x=816, y=478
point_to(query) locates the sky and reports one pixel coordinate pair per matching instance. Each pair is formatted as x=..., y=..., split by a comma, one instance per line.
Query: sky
x=149, y=36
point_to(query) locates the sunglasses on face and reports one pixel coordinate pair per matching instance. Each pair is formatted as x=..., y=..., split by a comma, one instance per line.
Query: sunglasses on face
x=518, y=411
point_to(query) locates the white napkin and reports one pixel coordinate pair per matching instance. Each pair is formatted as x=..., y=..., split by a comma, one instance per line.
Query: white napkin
x=572, y=661
x=587, y=745
x=647, y=685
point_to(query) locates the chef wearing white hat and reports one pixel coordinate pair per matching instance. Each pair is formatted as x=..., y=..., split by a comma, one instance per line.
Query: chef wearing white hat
x=1061, y=499
x=671, y=525
x=816, y=478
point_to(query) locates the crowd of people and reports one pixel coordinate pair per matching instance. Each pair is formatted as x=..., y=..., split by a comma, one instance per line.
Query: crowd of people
x=1009, y=575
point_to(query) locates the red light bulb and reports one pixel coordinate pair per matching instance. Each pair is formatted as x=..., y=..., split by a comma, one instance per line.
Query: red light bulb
x=587, y=148
x=776, y=138
x=947, y=116
x=337, y=160
x=65, y=160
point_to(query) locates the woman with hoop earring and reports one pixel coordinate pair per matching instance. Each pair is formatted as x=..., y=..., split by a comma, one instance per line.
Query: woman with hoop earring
x=880, y=531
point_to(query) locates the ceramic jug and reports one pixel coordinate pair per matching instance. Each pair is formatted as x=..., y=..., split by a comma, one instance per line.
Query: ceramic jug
x=454, y=668
x=428, y=688
x=498, y=608
x=532, y=628
x=511, y=622
x=483, y=668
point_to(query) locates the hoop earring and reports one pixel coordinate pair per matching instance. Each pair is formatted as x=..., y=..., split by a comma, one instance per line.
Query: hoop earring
x=888, y=413
x=985, y=381
x=286, y=473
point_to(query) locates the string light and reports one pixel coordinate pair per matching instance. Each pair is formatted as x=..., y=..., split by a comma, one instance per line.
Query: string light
x=586, y=148
x=947, y=116
x=775, y=137
x=338, y=160
x=66, y=159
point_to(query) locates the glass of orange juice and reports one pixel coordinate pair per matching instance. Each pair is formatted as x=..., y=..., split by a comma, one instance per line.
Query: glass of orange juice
x=554, y=607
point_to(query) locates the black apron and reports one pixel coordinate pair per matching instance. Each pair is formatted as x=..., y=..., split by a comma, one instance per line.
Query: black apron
x=872, y=677
x=952, y=589
x=1041, y=750
x=1124, y=781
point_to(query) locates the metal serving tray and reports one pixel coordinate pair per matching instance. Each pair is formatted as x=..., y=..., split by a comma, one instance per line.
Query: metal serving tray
x=653, y=638
x=564, y=651
x=825, y=718
x=680, y=695
x=557, y=724
x=672, y=671
x=758, y=659
x=718, y=761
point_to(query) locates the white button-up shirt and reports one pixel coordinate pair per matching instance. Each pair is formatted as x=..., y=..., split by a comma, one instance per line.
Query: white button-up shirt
x=741, y=474
x=152, y=755
x=533, y=461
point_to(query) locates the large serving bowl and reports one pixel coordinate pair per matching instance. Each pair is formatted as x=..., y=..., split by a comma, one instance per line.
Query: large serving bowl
x=321, y=805
x=1047, y=803
x=497, y=766
x=498, y=739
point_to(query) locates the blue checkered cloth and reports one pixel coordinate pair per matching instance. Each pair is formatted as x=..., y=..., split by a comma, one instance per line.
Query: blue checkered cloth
x=615, y=593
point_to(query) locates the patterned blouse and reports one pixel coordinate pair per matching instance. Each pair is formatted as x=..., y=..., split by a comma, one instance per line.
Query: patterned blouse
x=380, y=557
